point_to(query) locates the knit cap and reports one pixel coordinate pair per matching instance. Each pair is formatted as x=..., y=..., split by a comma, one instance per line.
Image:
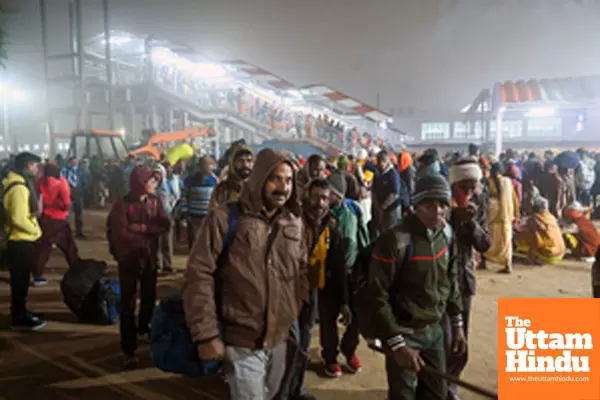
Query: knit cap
x=337, y=182
x=432, y=187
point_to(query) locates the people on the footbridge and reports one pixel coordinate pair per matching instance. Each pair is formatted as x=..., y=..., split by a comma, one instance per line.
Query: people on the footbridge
x=56, y=202
x=469, y=222
x=76, y=178
x=413, y=282
x=134, y=226
x=250, y=326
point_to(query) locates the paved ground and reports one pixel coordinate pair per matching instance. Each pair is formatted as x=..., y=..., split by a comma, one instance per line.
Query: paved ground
x=67, y=360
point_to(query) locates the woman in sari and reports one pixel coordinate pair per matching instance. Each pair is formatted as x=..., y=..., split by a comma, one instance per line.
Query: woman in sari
x=540, y=237
x=503, y=211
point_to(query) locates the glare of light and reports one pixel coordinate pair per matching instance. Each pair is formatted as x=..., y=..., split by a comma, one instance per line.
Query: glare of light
x=36, y=147
x=26, y=147
x=208, y=70
x=383, y=125
x=118, y=40
x=579, y=126
x=541, y=112
x=46, y=146
x=502, y=110
x=294, y=93
x=122, y=131
x=1, y=148
x=9, y=93
x=580, y=118
x=465, y=109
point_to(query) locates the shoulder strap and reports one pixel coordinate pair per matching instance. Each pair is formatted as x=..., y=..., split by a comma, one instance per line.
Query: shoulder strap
x=232, y=221
x=12, y=185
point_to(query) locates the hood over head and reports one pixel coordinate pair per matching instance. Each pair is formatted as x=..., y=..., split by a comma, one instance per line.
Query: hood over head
x=51, y=170
x=252, y=193
x=239, y=149
x=139, y=177
x=512, y=171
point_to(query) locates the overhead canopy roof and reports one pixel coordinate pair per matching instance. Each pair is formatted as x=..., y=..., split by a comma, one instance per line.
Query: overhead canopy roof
x=572, y=92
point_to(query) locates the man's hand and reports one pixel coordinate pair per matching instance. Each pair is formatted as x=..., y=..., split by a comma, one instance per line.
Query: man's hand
x=211, y=351
x=409, y=358
x=137, y=227
x=459, y=341
x=465, y=213
x=346, y=315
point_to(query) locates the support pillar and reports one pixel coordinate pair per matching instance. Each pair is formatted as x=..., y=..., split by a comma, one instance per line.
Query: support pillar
x=499, y=132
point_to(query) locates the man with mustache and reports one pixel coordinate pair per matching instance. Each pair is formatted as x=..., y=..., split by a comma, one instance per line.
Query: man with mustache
x=240, y=308
x=412, y=284
x=240, y=167
x=327, y=272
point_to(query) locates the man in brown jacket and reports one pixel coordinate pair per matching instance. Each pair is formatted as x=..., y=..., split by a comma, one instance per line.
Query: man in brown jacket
x=260, y=286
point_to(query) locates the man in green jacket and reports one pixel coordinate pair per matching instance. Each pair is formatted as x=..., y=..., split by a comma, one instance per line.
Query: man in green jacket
x=412, y=283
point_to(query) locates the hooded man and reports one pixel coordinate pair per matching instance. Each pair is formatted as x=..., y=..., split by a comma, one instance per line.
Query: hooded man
x=262, y=283
x=133, y=227
x=469, y=222
x=240, y=167
x=314, y=167
x=21, y=227
x=412, y=284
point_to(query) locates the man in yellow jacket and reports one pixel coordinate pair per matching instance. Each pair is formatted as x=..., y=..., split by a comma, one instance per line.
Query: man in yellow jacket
x=22, y=229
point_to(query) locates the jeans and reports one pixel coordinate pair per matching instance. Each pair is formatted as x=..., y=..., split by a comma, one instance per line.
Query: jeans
x=144, y=272
x=254, y=374
x=77, y=208
x=21, y=261
x=298, y=348
x=456, y=364
x=165, y=248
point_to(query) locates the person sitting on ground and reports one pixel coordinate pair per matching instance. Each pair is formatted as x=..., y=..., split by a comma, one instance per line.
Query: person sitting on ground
x=581, y=235
x=540, y=236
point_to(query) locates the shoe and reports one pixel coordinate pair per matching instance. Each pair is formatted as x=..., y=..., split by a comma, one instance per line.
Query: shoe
x=40, y=281
x=81, y=236
x=130, y=362
x=28, y=323
x=353, y=364
x=333, y=370
x=305, y=396
x=589, y=260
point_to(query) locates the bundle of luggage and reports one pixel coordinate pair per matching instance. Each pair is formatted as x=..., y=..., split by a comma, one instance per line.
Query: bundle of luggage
x=89, y=294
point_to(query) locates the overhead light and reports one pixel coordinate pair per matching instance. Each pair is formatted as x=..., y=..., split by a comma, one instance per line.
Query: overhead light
x=502, y=110
x=465, y=109
x=541, y=112
x=122, y=131
x=118, y=40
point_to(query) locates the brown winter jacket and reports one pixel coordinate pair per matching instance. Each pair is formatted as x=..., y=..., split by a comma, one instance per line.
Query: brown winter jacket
x=257, y=292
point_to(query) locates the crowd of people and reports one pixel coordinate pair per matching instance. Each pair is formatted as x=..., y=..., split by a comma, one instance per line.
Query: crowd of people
x=388, y=242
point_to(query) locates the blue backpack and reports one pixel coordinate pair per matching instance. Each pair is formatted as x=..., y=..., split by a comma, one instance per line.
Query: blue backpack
x=172, y=347
x=112, y=299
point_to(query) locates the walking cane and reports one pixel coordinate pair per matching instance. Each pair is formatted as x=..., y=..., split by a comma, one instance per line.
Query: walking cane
x=449, y=378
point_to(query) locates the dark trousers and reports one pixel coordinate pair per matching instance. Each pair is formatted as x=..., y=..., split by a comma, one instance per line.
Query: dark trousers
x=134, y=272
x=298, y=357
x=596, y=291
x=77, y=207
x=330, y=306
x=54, y=231
x=456, y=364
x=193, y=226
x=407, y=385
x=21, y=260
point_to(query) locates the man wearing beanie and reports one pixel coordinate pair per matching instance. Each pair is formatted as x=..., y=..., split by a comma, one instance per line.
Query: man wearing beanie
x=412, y=284
x=330, y=302
x=387, y=188
x=468, y=220
x=22, y=228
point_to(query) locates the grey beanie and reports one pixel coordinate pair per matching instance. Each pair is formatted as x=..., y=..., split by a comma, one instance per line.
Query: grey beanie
x=432, y=187
x=337, y=182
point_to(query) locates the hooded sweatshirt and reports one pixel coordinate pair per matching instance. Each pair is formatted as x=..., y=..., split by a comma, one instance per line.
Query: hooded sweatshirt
x=56, y=193
x=21, y=221
x=263, y=280
x=229, y=190
x=126, y=245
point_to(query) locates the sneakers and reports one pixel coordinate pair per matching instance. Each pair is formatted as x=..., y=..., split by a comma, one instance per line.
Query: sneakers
x=333, y=370
x=40, y=281
x=28, y=323
x=353, y=364
x=589, y=260
x=130, y=362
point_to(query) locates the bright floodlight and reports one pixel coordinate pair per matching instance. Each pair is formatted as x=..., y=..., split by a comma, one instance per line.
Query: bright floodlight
x=208, y=70
x=8, y=93
x=541, y=112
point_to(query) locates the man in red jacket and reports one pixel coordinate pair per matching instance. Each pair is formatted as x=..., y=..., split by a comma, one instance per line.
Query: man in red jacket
x=56, y=200
x=134, y=225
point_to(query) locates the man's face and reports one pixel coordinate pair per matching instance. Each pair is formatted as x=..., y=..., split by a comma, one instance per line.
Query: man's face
x=318, y=202
x=383, y=163
x=317, y=169
x=73, y=162
x=464, y=190
x=151, y=184
x=32, y=168
x=432, y=213
x=279, y=186
x=243, y=165
x=169, y=170
x=334, y=200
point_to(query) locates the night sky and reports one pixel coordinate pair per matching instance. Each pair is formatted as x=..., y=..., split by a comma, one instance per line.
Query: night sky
x=431, y=55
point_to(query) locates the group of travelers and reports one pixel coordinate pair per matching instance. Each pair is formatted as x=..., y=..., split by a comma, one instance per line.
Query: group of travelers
x=386, y=243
